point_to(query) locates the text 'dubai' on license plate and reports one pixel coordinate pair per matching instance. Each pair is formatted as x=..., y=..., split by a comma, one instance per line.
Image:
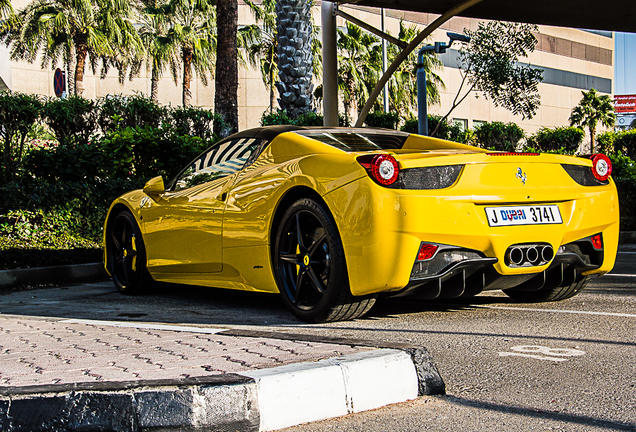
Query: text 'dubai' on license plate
x=523, y=215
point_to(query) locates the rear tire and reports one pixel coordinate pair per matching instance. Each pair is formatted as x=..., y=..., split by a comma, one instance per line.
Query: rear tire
x=310, y=268
x=550, y=294
x=126, y=254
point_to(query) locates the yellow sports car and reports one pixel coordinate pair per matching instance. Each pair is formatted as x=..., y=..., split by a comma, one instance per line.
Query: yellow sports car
x=333, y=217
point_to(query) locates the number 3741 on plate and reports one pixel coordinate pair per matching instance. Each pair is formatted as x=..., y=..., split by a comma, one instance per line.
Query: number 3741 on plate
x=523, y=215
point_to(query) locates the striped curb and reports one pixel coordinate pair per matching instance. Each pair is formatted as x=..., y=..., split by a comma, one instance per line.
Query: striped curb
x=259, y=400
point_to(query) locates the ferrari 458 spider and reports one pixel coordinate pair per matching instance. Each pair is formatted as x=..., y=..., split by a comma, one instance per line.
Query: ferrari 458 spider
x=331, y=218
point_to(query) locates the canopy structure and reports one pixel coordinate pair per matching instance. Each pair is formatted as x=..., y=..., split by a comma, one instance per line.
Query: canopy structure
x=618, y=15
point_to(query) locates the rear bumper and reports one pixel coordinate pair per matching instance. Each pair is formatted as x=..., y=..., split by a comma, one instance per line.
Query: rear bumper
x=469, y=277
x=382, y=230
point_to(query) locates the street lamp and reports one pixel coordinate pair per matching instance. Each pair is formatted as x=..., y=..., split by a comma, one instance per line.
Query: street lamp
x=439, y=48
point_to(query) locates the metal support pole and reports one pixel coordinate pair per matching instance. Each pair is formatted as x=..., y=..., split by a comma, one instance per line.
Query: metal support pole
x=329, y=65
x=385, y=95
x=422, y=114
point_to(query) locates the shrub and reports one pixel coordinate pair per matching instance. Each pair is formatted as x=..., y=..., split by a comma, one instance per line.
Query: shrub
x=562, y=139
x=128, y=111
x=309, y=119
x=381, y=119
x=79, y=208
x=18, y=116
x=73, y=120
x=275, y=118
x=198, y=122
x=626, y=143
x=447, y=131
x=64, y=163
x=499, y=136
x=605, y=142
x=146, y=152
x=623, y=167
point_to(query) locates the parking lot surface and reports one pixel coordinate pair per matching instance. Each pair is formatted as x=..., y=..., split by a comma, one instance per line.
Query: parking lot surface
x=569, y=365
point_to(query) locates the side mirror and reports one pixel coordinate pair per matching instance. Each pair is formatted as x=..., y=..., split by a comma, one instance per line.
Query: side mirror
x=154, y=186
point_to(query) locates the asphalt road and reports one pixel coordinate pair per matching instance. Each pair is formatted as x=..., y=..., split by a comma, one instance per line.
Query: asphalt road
x=567, y=366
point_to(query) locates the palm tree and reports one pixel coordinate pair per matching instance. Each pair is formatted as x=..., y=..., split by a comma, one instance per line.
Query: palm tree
x=61, y=30
x=295, y=56
x=359, y=66
x=402, y=84
x=7, y=15
x=593, y=108
x=152, y=29
x=191, y=30
x=264, y=50
x=261, y=43
x=226, y=84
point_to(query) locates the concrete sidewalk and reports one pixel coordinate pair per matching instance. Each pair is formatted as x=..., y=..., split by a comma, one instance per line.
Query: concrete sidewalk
x=79, y=374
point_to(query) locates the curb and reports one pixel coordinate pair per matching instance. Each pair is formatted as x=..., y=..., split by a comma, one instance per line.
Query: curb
x=258, y=400
x=40, y=275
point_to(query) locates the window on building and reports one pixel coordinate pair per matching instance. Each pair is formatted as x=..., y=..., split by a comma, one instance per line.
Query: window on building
x=478, y=123
x=462, y=123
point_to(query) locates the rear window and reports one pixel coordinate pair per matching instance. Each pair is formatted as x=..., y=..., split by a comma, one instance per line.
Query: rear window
x=358, y=140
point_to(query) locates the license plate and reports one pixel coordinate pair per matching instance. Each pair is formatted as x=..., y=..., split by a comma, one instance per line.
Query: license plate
x=523, y=215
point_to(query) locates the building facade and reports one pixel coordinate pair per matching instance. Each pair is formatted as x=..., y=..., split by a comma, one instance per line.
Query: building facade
x=573, y=60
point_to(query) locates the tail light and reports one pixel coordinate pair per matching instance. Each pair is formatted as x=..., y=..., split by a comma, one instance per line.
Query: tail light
x=382, y=168
x=601, y=167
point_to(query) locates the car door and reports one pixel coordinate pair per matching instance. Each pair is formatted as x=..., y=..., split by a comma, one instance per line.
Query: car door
x=183, y=228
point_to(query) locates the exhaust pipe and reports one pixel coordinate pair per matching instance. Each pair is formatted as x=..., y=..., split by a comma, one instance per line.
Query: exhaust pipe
x=529, y=254
x=532, y=255
x=547, y=253
x=515, y=256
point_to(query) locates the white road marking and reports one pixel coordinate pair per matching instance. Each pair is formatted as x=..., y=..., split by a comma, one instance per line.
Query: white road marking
x=537, y=357
x=627, y=252
x=550, y=354
x=622, y=315
x=204, y=330
x=621, y=275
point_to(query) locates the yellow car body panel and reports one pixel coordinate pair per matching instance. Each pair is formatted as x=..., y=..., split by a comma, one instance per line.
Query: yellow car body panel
x=221, y=233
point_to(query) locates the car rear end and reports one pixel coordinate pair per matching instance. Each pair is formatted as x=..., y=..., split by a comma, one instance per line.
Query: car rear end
x=456, y=220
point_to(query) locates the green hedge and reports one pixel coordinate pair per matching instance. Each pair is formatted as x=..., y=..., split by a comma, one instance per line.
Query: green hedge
x=448, y=131
x=54, y=195
x=499, y=136
x=561, y=139
x=64, y=220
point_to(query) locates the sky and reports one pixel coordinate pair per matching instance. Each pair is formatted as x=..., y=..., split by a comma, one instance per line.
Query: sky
x=625, y=65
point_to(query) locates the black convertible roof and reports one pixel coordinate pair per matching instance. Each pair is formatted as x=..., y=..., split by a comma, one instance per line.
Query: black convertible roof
x=270, y=132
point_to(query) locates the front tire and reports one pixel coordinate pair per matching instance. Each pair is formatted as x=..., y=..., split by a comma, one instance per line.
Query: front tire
x=126, y=254
x=549, y=294
x=310, y=267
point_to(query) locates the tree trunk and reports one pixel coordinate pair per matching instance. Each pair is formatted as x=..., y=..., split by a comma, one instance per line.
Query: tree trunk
x=70, y=79
x=592, y=133
x=226, y=80
x=154, y=84
x=186, y=56
x=272, y=93
x=295, y=58
x=81, y=50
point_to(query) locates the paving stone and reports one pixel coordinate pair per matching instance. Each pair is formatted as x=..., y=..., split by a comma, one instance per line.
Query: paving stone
x=62, y=352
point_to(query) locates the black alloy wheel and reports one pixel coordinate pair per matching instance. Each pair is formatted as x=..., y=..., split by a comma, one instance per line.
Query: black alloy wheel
x=126, y=254
x=310, y=266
